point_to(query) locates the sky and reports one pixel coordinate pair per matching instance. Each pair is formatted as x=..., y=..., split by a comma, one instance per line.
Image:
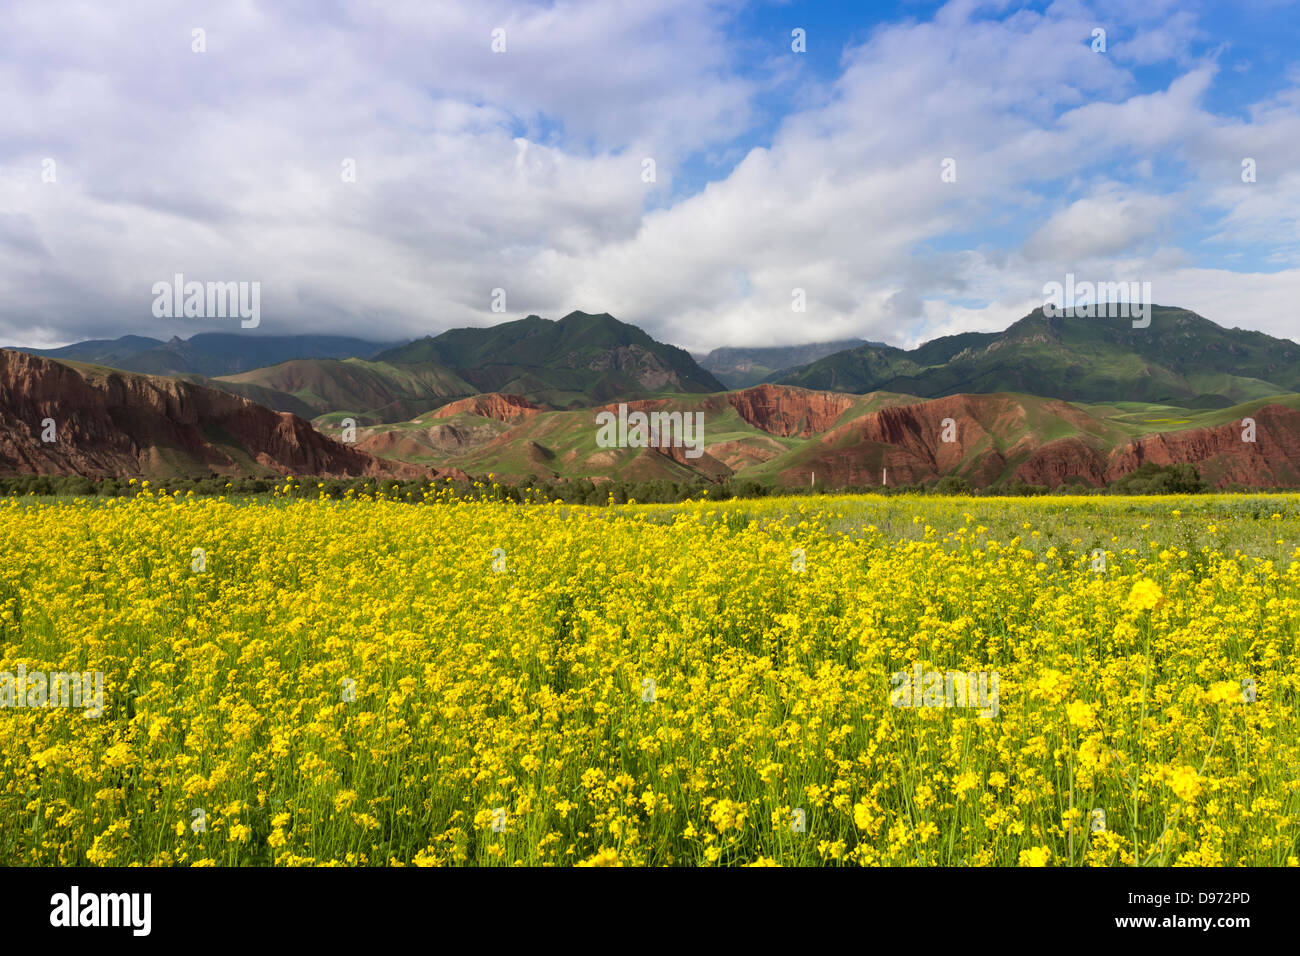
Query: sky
x=915, y=170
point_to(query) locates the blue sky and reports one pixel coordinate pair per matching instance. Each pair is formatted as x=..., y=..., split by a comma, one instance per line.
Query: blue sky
x=523, y=169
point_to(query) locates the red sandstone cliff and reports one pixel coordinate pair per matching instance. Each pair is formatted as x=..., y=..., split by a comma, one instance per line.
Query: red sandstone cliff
x=786, y=411
x=908, y=442
x=109, y=423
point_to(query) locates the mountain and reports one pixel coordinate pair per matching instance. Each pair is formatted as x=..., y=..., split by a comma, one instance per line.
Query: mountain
x=572, y=362
x=575, y=361
x=1047, y=401
x=112, y=423
x=1182, y=359
x=209, y=353
x=741, y=368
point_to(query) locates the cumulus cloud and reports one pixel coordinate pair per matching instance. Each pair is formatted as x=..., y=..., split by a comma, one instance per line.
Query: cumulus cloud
x=1106, y=223
x=523, y=170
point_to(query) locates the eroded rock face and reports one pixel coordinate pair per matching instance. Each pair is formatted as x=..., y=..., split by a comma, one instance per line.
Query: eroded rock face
x=1067, y=460
x=740, y=454
x=498, y=405
x=109, y=423
x=1220, y=454
x=907, y=442
x=786, y=411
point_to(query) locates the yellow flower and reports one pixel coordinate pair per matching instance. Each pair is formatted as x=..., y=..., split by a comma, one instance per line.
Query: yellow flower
x=1225, y=692
x=727, y=815
x=1053, y=685
x=862, y=815
x=1144, y=596
x=1036, y=856
x=1080, y=714
x=1185, y=782
x=604, y=857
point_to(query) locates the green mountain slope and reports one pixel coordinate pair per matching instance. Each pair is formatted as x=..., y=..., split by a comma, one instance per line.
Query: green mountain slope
x=1181, y=359
x=368, y=391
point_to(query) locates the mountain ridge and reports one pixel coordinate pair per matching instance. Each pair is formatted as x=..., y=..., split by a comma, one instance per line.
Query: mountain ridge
x=1181, y=359
x=563, y=362
x=207, y=353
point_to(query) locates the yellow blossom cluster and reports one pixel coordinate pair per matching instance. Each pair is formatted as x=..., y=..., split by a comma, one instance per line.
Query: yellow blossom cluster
x=370, y=682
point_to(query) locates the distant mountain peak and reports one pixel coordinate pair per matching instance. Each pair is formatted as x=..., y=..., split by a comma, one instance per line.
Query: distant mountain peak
x=741, y=367
x=209, y=353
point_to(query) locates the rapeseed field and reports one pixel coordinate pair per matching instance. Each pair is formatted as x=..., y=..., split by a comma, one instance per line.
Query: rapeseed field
x=782, y=681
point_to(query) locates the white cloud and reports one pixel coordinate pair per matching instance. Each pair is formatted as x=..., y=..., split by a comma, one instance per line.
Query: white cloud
x=1107, y=223
x=522, y=170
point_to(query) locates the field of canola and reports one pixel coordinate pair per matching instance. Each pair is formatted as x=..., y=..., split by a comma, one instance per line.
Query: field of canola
x=372, y=682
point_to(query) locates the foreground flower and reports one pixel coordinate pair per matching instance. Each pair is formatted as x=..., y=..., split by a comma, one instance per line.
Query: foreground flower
x=1185, y=782
x=605, y=857
x=1080, y=714
x=1145, y=596
x=1037, y=856
x=354, y=682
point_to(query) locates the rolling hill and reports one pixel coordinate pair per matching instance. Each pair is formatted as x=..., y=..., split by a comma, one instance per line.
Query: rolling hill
x=367, y=391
